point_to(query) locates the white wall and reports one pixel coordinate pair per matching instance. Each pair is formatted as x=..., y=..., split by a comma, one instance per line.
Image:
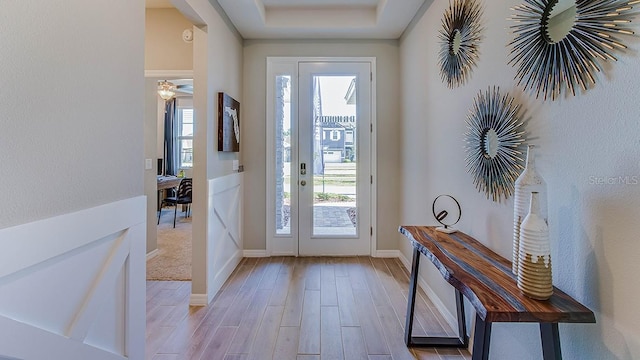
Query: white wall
x=72, y=86
x=214, y=70
x=254, y=119
x=164, y=48
x=593, y=227
x=71, y=116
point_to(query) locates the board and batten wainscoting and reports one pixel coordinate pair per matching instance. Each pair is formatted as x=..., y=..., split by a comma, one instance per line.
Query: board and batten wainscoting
x=73, y=286
x=224, y=234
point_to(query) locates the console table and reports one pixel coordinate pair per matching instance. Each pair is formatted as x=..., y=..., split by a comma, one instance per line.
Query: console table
x=485, y=279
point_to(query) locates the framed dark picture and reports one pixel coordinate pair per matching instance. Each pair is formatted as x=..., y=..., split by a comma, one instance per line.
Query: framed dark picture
x=228, y=123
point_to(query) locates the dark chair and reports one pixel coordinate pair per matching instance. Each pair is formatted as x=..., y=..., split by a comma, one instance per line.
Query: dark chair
x=183, y=197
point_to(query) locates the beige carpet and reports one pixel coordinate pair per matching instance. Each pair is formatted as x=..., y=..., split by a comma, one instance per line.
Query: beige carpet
x=173, y=261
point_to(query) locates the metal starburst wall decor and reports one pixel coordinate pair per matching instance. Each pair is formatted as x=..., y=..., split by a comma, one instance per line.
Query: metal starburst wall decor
x=548, y=66
x=495, y=135
x=459, y=39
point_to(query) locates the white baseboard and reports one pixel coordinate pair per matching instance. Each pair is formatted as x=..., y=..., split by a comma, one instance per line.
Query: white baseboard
x=387, y=253
x=199, y=300
x=435, y=299
x=254, y=253
x=403, y=259
x=152, y=254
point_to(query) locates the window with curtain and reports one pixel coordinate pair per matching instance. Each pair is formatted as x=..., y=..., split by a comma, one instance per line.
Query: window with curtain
x=184, y=137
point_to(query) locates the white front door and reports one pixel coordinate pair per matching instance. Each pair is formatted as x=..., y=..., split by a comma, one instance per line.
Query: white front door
x=321, y=148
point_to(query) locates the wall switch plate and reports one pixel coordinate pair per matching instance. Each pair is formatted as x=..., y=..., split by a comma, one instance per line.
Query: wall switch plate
x=148, y=164
x=236, y=164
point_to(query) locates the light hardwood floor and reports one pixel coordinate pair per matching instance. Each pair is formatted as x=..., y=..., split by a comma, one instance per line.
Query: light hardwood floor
x=295, y=308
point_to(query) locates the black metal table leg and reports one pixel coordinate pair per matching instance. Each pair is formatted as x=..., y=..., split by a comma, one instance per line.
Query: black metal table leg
x=481, y=340
x=411, y=304
x=550, y=341
x=432, y=341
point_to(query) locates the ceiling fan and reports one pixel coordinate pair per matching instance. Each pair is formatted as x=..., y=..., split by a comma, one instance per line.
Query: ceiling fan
x=168, y=89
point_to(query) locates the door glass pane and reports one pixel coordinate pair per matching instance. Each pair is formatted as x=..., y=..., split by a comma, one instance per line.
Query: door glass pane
x=283, y=154
x=334, y=156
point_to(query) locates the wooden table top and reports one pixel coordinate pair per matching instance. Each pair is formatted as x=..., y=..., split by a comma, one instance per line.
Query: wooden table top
x=167, y=182
x=485, y=279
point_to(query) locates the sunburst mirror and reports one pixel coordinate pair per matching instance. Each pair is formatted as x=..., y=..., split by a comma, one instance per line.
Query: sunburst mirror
x=459, y=39
x=495, y=135
x=559, y=45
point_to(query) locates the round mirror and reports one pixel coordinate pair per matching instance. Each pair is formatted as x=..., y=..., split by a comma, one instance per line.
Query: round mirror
x=454, y=46
x=558, y=20
x=459, y=41
x=490, y=143
x=560, y=45
x=493, y=140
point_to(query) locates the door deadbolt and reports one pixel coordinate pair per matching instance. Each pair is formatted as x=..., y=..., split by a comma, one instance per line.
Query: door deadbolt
x=303, y=169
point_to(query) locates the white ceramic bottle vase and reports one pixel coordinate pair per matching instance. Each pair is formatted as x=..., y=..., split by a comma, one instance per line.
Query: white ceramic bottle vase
x=527, y=182
x=534, y=265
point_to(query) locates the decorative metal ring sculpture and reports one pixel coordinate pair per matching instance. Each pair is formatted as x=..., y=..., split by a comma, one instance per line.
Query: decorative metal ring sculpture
x=440, y=216
x=459, y=39
x=548, y=66
x=494, y=139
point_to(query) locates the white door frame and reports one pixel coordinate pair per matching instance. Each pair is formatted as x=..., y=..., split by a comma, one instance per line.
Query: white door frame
x=288, y=245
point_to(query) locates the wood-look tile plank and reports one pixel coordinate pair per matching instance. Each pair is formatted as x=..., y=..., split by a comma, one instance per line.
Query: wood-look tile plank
x=236, y=357
x=270, y=275
x=312, y=275
x=217, y=347
x=309, y=342
x=425, y=354
x=427, y=310
x=176, y=316
x=287, y=343
x=328, y=294
x=156, y=315
x=165, y=357
x=308, y=357
x=356, y=275
x=450, y=354
x=430, y=319
x=153, y=289
x=238, y=308
x=369, y=321
x=428, y=323
x=265, y=342
x=394, y=333
x=346, y=302
x=202, y=334
x=246, y=333
x=380, y=357
x=282, y=283
x=154, y=342
x=342, y=266
x=293, y=305
x=353, y=343
x=378, y=294
x=180, y=338
x=394, y=292
x=240, y=274
x=330, y=334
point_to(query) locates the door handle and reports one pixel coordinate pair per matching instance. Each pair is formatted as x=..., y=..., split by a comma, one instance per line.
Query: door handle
x=303, y=183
